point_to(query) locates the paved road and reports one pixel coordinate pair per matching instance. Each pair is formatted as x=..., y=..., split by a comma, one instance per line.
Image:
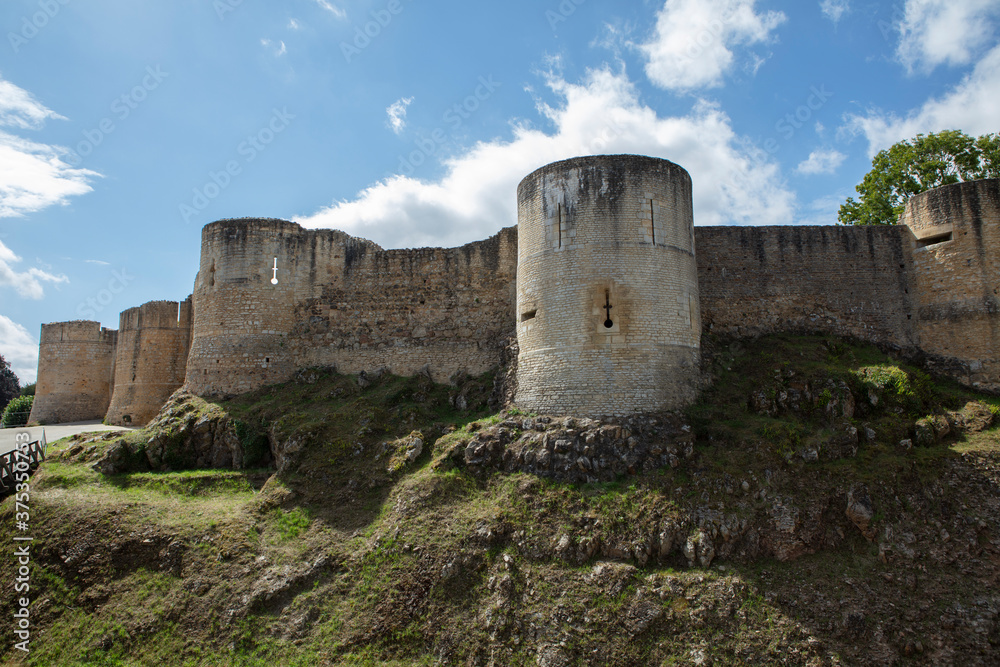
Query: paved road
x=52, y=433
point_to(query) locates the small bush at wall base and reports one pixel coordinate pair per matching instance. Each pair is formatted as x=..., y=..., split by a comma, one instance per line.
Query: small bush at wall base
x=17, y=411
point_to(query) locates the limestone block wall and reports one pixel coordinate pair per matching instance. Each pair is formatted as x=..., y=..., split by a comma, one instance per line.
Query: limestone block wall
x=342, y=301
x=850, y=281
x=607, y=287
x=151, y=359
x=956, y=255
x=75, y=372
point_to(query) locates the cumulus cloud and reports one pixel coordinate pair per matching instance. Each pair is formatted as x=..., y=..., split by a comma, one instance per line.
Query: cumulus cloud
x=822, y=161
x=693, y=43
x=397, y=114
x=834, y=9
x=970, y=106
x=19, y=349
x=733, y=182
x=936, y=32
x=33, y=176
x=333, y=9
x=27, y=284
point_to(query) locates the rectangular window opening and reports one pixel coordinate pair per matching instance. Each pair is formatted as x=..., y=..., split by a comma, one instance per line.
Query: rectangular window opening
x=934, y=240
x=530, y=315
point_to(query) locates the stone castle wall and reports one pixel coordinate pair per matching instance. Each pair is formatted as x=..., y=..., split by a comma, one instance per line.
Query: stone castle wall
x=606, y=230
x=75, y=372
x=607, y=287
x=344, y=302
x=150, y=361
x=850, y=281
x=956, y=261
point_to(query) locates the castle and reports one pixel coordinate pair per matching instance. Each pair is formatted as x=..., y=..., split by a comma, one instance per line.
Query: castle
x=605, y=282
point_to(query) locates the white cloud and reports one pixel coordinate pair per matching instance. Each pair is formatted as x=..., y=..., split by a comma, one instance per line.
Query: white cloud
x=293, y=24
x=33, y=176
x=333, y=9
x=822, y=161
x=694, y=40
x=971, y=106
x=834, y=9
x=936, y=32
x=477, y=194
x=19, y=349
x=397, y=114
x=279, y=50
x=18, y=108
x=27, y=284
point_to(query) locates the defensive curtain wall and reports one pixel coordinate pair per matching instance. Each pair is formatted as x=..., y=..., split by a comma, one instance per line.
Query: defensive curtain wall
x=344, y=302
x=929, y=286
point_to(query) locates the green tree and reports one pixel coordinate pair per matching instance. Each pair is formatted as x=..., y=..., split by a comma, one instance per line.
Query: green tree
x=913, y=166
x=10, y=386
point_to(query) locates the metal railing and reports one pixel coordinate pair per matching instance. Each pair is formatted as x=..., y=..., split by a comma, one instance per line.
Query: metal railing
x=20, y=424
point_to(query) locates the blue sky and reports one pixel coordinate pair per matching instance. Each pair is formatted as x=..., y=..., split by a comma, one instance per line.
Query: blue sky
x=126, y=127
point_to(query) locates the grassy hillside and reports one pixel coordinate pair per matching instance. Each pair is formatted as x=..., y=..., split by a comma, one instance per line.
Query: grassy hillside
x=823, y=504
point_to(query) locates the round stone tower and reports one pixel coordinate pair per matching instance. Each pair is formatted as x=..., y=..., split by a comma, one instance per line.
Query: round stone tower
x=76, y=362
x=956, y=269
x=152, y=351
x=607, y=287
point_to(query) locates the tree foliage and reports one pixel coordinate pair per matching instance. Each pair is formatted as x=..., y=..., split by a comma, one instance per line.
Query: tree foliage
x=10, y=386
x=913, y=166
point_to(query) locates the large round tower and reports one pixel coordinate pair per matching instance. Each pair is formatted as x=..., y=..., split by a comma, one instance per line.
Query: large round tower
x=607, y=287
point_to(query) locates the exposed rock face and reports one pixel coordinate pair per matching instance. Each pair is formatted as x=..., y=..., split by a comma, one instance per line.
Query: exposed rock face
x=576, y=450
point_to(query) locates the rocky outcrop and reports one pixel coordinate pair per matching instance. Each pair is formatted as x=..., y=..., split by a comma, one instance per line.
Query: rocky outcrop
x=574, y=450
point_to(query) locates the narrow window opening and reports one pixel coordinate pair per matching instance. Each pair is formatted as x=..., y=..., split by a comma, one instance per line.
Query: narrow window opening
x=652, y=222
x=934, y=240
x=559, y=222
x=608, y=323
x=530, y=315
x=274, y=275
x=267, y=360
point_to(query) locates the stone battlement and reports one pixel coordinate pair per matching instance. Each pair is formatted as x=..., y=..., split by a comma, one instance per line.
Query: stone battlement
x=599, y=239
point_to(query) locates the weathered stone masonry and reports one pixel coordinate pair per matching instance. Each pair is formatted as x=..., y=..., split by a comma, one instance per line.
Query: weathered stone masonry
x=594, y=232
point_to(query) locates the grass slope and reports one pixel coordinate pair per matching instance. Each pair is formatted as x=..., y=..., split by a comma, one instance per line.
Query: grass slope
x=358, y=557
